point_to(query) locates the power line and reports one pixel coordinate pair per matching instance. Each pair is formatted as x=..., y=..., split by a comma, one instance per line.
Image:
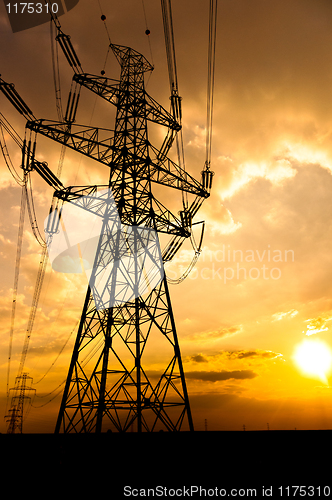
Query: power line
x=103, y=18
x=38, y=286
x=4, y=124
x=166, y=7
x=211, y=74
x=16, y=278
x=49, y=401
x=58, y=355
x=147, y=31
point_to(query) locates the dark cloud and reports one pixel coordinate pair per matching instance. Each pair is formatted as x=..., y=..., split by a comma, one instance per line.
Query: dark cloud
x=215, y=376
x=241, y=354
x=198, y=358
x=253, y=354
x=212, y=376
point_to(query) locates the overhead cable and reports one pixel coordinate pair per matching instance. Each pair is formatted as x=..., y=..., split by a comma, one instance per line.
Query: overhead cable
x=57, y=357
x=147, y=32
x=166, y=7
x=16, y=278
x=211, y=73
x=6, y=156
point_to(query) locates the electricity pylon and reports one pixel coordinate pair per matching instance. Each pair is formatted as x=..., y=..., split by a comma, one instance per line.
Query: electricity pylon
x=109, y=385
x=16, y=413
x=116, y=390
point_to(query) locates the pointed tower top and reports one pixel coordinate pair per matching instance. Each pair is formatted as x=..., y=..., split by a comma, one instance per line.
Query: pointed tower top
x=127, y=56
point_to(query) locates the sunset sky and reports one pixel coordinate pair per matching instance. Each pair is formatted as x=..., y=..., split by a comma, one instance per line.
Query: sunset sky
x=262, y=286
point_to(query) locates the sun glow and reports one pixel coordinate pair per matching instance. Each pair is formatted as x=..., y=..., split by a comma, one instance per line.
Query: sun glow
x=314, y=359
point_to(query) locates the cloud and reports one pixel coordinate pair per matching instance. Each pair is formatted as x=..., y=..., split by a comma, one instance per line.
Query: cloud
x=215, y=376
x=253, y=354
x=224, y=357
x=317, y=325
x=217, y=334
x=54, y=347
x=198, y=358
x=306, y=155
x=276, y=171
x=221, y=221
x=281, y=315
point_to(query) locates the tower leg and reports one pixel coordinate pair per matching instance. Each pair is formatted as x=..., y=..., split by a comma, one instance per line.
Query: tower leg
x=126, y=369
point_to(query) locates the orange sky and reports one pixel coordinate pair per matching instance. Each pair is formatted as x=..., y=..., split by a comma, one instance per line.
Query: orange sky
x=264, y=277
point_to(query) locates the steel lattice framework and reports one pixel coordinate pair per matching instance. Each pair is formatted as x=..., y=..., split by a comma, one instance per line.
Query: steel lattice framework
x=109, y=385
x=115, y=390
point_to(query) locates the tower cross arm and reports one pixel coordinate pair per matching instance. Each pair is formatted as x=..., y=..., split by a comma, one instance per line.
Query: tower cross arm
x=83, y=139
x=145, y=105
x=90, y=142
x=157, y=114
x=165, y=171
x=164, y=221
x=106, y=88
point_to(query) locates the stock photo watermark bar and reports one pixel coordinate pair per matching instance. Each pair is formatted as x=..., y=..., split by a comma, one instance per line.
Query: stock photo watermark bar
x=238, y=264
x=27, y=15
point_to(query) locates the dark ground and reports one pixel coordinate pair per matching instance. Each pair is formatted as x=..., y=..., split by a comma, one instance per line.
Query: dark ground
x=102, y=465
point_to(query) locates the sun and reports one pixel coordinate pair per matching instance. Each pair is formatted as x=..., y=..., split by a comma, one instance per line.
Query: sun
x=314, y=359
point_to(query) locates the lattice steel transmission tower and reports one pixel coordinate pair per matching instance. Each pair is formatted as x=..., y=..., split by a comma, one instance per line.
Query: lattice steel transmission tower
x=116, y=390
x=16, y=413
x=109, y=383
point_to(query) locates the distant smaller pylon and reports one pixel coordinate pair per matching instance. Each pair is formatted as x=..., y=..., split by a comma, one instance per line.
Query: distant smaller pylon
x=14, y=418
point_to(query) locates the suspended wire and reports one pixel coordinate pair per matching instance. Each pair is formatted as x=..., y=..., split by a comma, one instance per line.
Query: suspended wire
x=57, y=90
x=4, y=149
x=27, y=198
x=211, y=74
x=198, y=247
x=210, y=98
x=166, y=7
x=14, y=135
x=56, y=395
x=56, y=73
x=169, y=43
x=192, y=264
x=31, y=207
x=197, y=250
x=33, y=310
x=25, y=181
x=59, y=354
x=106, y=58
x=103, y=18
x=49, y=393
x=37, y=290
x=27, y=411
x=92, y=352
x=16, y=278
x=25, y=202
x=61, y=160
x=65, y=42
x=32, y=212
x=147, y=32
